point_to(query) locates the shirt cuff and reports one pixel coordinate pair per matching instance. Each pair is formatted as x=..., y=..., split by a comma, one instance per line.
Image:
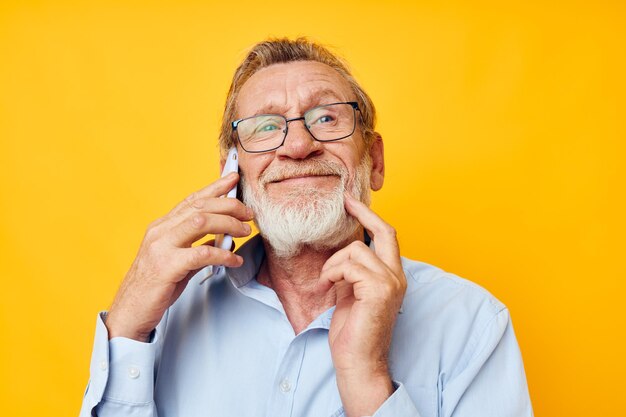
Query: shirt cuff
x=122, y=369
x=398, y=404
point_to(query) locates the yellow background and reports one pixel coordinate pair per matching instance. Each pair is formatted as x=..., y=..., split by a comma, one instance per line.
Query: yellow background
x=504, y=126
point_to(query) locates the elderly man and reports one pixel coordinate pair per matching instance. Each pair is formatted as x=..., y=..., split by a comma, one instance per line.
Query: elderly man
x=317, y=316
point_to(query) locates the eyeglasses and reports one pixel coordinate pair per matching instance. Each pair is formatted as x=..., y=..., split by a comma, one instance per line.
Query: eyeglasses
x=266, y=132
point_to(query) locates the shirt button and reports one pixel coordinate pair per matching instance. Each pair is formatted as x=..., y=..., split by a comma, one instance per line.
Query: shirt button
x=285, y=385
x=133, y=372
x=103, y=365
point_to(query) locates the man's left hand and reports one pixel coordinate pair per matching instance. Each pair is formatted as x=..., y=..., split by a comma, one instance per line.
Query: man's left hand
x=370, y=287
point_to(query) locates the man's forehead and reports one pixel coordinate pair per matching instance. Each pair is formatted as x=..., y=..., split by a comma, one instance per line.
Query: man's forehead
x=292, y=86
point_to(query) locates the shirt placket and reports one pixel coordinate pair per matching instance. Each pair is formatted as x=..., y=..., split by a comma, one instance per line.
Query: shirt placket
x=286, y=378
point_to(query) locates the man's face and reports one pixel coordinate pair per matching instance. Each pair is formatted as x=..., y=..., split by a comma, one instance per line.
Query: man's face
x=304, y=176
x=291, y=89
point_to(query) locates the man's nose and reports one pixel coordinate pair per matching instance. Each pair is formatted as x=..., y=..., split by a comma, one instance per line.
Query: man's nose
x=299, y=144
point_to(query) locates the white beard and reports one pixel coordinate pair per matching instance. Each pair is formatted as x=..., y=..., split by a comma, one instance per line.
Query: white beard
x=307, y=216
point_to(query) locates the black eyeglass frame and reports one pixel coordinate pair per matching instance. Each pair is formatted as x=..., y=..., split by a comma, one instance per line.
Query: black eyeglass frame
x=355, y=108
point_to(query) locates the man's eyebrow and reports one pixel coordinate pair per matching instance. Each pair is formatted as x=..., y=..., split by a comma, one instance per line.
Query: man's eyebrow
x=325, y=96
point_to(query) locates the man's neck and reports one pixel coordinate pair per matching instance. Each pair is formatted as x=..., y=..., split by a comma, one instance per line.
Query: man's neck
x=295, y=281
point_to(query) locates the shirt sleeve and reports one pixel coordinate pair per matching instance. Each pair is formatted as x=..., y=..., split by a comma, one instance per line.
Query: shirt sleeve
x=398, y=404
x=489, y=380
x=122, y=374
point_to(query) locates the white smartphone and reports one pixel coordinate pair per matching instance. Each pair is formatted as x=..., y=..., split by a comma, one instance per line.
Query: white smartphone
x=224, y=241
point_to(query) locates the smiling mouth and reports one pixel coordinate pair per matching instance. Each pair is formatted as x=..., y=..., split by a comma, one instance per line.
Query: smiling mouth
x=303, y=178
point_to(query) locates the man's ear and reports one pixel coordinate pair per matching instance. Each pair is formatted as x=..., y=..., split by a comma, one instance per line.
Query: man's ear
x=377, y=153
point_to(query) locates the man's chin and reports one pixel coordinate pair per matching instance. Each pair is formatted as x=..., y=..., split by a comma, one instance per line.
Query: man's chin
x=343, y=236
x=286, y=245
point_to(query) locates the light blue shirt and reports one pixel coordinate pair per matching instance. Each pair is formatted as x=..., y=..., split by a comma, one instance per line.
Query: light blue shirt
x=226, y=348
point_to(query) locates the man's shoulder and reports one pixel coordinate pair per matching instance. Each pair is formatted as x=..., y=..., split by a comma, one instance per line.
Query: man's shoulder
x=433, y=287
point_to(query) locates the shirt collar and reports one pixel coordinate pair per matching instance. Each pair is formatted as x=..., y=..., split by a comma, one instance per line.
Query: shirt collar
x=253, y=253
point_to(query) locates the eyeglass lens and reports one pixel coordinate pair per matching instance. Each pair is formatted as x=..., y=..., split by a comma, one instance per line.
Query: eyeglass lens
x=325, y=123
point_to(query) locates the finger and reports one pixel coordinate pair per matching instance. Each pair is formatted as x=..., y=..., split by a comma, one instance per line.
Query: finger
x=216, y=189
x=200, y=224
x=226, y=206
x=365, y=283
x=383, y=235
x=357, y=252
x=198, y=257
x=350, y=272
x=193, y=272
x=230, y=206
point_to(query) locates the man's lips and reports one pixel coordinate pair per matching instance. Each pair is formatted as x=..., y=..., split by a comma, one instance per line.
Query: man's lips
x=304, y=178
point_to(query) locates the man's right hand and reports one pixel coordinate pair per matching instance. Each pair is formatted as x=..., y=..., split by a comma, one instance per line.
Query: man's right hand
x=166, y=260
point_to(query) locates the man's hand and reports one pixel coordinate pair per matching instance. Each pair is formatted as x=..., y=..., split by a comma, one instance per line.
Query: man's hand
x=166, y=261
x=370, y=287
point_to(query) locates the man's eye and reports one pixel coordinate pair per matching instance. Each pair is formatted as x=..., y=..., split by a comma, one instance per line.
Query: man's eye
x=267, y=128
x=325, y=119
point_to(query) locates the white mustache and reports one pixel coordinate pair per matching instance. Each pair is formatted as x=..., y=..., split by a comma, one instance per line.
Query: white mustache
x=310, y=168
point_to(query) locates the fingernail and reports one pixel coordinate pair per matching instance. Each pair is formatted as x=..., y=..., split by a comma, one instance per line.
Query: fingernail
x=246, y=228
